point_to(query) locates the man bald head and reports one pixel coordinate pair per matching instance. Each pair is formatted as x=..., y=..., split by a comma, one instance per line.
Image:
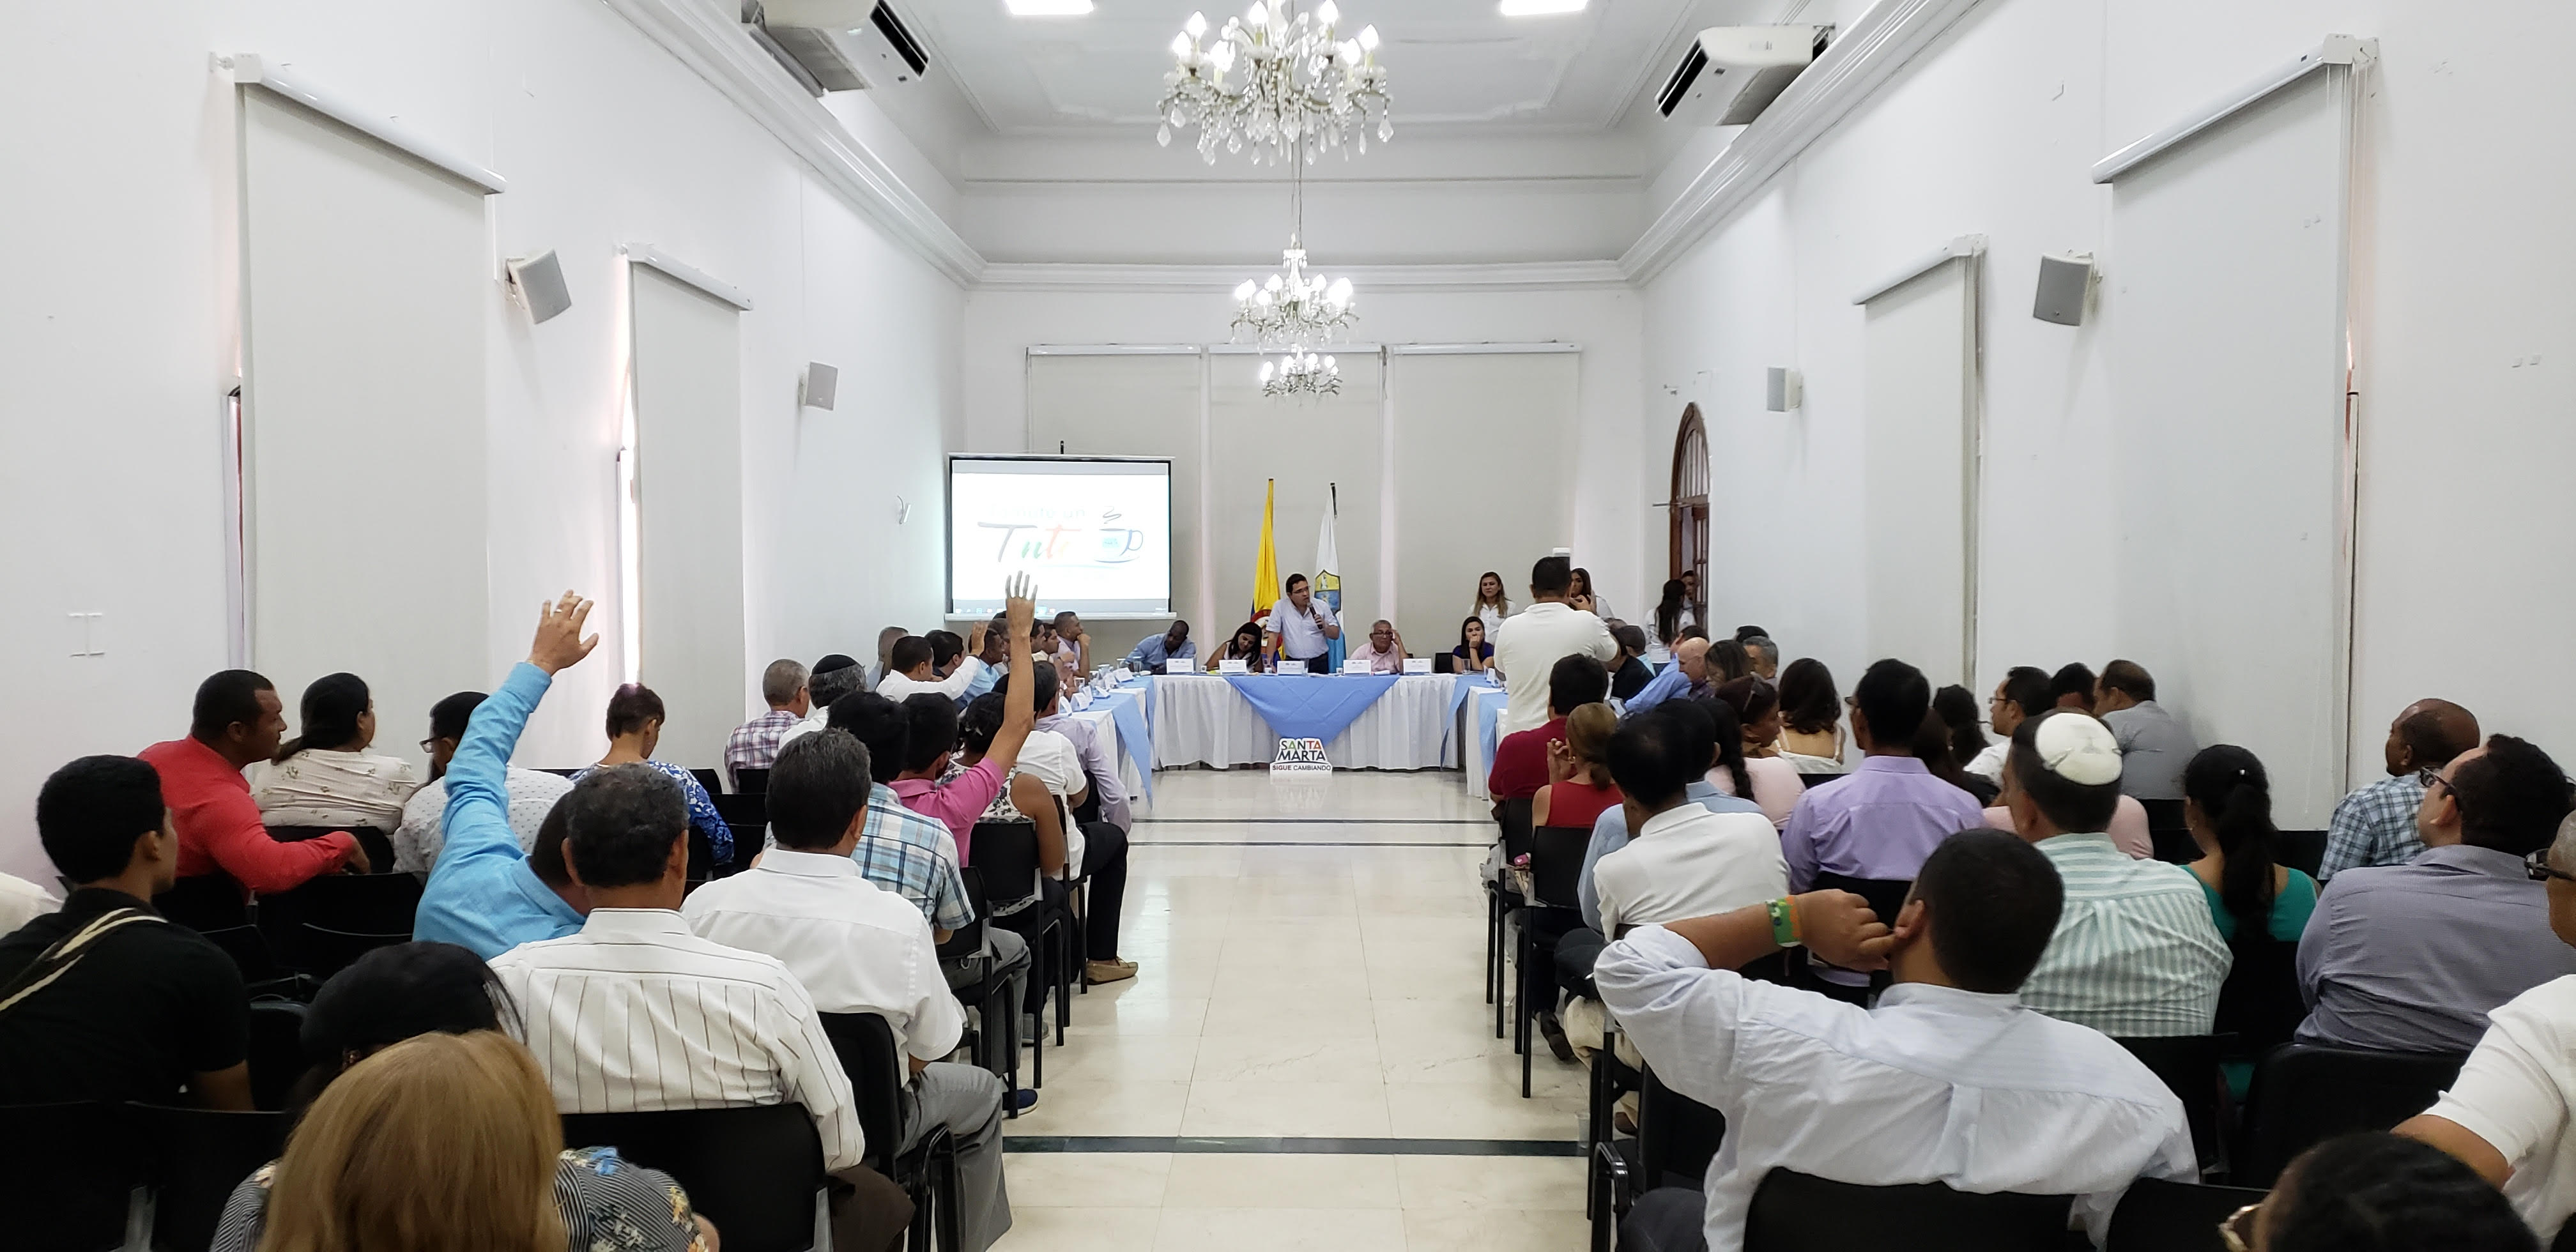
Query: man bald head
x=1692, y=656
x=2427, y=735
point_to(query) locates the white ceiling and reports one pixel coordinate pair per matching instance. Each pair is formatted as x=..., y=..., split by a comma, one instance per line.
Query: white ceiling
x=1451, y=63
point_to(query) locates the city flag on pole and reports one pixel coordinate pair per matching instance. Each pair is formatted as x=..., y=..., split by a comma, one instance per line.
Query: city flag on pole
x=1328, y=577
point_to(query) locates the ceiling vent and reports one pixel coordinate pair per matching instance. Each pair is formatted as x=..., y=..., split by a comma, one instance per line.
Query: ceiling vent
x=836, y=45
x=1729, y=74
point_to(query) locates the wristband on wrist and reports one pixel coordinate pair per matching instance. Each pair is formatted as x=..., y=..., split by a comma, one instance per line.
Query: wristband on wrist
x=1784, y=921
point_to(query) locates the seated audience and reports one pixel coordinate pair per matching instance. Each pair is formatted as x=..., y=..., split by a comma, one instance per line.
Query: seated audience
x=1672, y=612
x=1578, y=771
x=886, y=639
x=1492, y=606
x=1528, y=646
x=2128, y=829
x=1698, y=722
x=1880, y=1096
x=237, y=719
x=2021, y=695
x=2154, y=744
x=1762, y=657
x=2260, y=906
x=1095, y=847
x=456, y=1135
x=634, y=730
x=1472, y=655
x=2380, y=1192
x=1154, y=651
x=326, y=776
x=2072, y=687
x=1384, y=651
x=2375, y=825
x=924, y=784
x=1881, y=821
x=1773, y=782
x=859, y=949
x=2511, y=1113
x=1520, y=759
x=1580, y=594
x=598, y=1003
x=1039, y=793
x=423, y=831
x=1811, y=710
x=2135, y=954
x=946, y=649
x=1687, y=674
x=487, y=890
x=22, y=902
x=754, y=744
x=831, y=678
x=2412, y=958
x=1962, y=738
x=1244, y=646
x=1073, y=647
x=991, y=658
x=411, y=990
x=1683, y=860
x=906, y=852
x=1727, y=661
x=103, y=1000
x=914, y=670
x=1629, y=672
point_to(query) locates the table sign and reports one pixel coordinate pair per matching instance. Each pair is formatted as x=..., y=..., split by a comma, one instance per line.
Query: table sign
x=1235, y=666
x=1417, y=665
x=1301, y=756
x=1178, y=665
x=1355, y=666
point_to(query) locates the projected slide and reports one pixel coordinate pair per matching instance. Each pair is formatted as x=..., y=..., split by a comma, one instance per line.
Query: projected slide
x=1096, y=533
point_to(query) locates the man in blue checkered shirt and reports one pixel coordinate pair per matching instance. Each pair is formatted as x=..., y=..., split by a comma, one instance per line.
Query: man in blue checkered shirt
x=2375, y=825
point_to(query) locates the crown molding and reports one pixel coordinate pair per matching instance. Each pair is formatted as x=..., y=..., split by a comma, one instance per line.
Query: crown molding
x=1219, y=279
x=742, y=72
x=1870, y=53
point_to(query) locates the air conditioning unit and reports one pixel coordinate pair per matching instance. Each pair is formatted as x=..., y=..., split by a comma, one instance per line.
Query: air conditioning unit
x=836, y=45
x=1731, y=73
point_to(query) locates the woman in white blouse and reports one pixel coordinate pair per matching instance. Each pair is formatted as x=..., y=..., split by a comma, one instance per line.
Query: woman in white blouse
x=1492, y=606
x=325, y=776
x=1672, y=614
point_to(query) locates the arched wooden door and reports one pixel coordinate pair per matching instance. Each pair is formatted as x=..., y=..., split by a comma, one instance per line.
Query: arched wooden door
x=1690, y=506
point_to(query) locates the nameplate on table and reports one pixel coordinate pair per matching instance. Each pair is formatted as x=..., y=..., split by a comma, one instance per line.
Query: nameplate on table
x=1237, y=666
x=1177, y=665
x=1355, y=666
x=1417, y=665
x=1301, y=756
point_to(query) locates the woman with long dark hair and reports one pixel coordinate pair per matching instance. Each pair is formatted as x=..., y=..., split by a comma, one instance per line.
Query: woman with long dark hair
x=1962, y=738
x=1244, y=646
x=1474, y=653
x=325, y=776
x=1582, y=596
x=2260, y=905
x=1776, y=785
x=1671, y=614
x=1811, y=712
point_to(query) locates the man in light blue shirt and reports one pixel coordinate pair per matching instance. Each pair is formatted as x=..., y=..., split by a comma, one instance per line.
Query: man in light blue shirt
x=1688, y=670
x=482, y=892
x=1171, y=645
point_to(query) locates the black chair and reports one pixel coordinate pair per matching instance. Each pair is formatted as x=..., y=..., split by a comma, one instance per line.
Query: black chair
x=1007, y=852
x=2301, y=850
x=369, y=904
x=712, y=780
x=276, y=1051
x=2260, y=1002
x=2189, y=1066
x=1794, y=1212
x=328, y=951
x=1556, y=867
x=2166, y=828
x=263, y=976
x=378, y=844
x=201, y=1156
x=757, y=1171
x=976, y=979
x=747, y=815
x=1676, y=1138
x=928, y=1172
x=1443, y=663
x=2161, y=1216
x=1821, y=777
x=72, y=1174
x=1500, y=900
x=2304, y=1093
x=205, y=902
x=751, y=782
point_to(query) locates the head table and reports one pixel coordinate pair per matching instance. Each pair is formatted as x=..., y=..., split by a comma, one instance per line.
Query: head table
x=1366, y=721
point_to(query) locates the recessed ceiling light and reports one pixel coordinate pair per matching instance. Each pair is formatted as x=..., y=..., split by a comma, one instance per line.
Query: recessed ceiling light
x=1540, y=8
x=1056, y=8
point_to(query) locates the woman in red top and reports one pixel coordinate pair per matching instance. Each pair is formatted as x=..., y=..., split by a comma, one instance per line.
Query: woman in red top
x=1578, y=771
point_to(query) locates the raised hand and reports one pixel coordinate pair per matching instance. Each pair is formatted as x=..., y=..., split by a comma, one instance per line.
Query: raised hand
x=1019, y=601
x=559, y=644
x=1561, y=761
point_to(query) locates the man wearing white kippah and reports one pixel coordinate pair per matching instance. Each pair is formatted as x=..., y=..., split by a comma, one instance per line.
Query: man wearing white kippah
x=2132, y=957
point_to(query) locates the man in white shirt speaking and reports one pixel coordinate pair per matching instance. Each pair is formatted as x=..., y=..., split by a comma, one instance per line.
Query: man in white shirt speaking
x=858, y=948
x=1532, y=641
x=1303, y=629
x=1949, y=1079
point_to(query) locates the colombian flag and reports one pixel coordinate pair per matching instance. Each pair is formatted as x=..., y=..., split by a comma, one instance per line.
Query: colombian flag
x=1265, y=563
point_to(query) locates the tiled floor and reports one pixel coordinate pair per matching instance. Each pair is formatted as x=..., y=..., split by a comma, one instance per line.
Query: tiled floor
x=1312, y=956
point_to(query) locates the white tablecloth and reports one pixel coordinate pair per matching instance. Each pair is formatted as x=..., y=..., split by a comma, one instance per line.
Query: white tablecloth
x=1200, y=720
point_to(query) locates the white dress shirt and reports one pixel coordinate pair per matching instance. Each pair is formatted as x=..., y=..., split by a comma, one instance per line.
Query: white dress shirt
x=423, y=832
x=637, y=1015
x=896, y=686
x=1530, y=644
x=326, y=787
x=856, y=947
x=2516, y=1092
x=1989, y=763
x=1689, y=862
x=22, y=902
x=1301, y=636
x=1934, y=1085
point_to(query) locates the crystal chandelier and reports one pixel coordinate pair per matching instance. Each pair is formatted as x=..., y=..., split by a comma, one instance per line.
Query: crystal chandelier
x=1301, y=373
x=1293, y=308
x=1298, y=84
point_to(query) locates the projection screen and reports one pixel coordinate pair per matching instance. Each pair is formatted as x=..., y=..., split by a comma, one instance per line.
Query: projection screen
x=1095, y=532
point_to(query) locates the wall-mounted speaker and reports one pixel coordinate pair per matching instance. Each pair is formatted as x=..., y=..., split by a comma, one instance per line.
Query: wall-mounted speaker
x=1784, y=389
x=538, y=283
x=2065, y=288
x=822, y=384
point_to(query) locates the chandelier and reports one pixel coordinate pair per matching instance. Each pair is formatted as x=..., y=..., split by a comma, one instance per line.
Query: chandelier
x=1298, y=84
x=1301, y=373
x=1294, y=308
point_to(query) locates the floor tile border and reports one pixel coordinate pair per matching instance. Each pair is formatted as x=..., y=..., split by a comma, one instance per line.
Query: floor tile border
x=1311, y=1146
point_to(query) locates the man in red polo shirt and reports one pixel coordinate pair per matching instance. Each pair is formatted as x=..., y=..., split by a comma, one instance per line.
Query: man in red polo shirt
x=237, y=720
x=1520, y=760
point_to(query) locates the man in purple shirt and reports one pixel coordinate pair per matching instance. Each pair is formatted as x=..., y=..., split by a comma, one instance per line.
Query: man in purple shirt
x=1887, y=815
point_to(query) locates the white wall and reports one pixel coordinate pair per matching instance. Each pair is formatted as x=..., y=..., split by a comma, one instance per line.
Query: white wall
x=2458, y=274
x=120, y=335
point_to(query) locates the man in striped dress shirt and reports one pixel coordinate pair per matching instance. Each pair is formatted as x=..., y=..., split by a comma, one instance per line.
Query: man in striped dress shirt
x=2136, y=953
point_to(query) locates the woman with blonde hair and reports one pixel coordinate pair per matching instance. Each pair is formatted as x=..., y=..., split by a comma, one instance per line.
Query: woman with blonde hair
x=1578, y=771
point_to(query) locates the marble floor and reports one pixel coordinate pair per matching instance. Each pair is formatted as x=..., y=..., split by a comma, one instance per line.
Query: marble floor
x=1307, y=1059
